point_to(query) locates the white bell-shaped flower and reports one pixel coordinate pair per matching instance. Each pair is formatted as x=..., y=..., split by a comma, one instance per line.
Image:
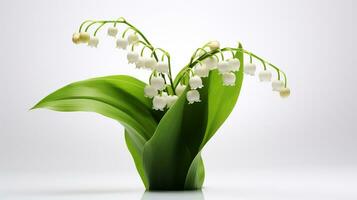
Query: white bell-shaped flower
x=195, y=82
x=201, y=70
x=180, y=89
x=285, y=92
x=157, y=82
x=249, y=68
x=213, y=45
x=234, y=64
x=229, y=79
x=132, y=38
x=150, y=91
x=140, y=63
x=170, y=100
x=150, y=63
x=122, y=43
x=93, y=42
x=159, y=103
x=84, y=37
x=265, y=76
x=211, y=62
x=112, y=31
x=193, y=96
x=76, y=38
x=162, y=67
x=132, y=56
x=277, y=85
x=223, y=67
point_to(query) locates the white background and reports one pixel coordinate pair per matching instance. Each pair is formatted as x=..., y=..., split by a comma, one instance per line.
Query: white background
x=301, y=147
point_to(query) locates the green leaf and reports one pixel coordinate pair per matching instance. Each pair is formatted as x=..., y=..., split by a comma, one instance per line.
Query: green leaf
x=118, y=97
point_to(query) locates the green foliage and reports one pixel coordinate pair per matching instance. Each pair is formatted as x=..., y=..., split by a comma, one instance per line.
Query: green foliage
x=165, y=146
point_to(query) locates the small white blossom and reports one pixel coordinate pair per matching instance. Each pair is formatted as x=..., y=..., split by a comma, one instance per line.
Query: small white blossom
x=180, y=89
x=132, y=56
x=223, y=67
x=195, y=82
x=150, y=63
x=170, y=100
x=157, y=82
x=201, y=70
x=234, y=64
x=93, y=42
x=84, y=37
x=211, y=62
x=229, y=79
x=265, y=76
x=159, y=102
x=132, y=38
x=213, y=45
x=285, y=92
x=112, y=31
x=277, y=85
x=250, y=68
x=162, y=67
x=150, y=91
x=193, y=96
x=140, y=63
x=122, y=43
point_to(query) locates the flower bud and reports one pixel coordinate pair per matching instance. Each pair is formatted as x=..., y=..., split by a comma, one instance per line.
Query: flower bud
x=201, y=70
x=157, y=82
x=159, y=103
x=76, y=38
x=211, y=62
x=150, y=63
x=229, y=79
x=180, y=89
x=132, y=38
x=170, y=100
x=193, y=96
x=223, y=67
x=233, y=64
x=162, y=67
x=150, y=91
x=249, y=68
x=277, y=85
x=285, y=92
x=195, y=82
x=84, y=37
x=140, y=63
x=122, y=43
x=265, y=76
x=112, y=31
x=213, y=45
x=132, y=56
x=93, y=42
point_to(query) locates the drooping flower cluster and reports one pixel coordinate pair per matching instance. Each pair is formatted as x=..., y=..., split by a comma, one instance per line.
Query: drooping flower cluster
x=161, y=88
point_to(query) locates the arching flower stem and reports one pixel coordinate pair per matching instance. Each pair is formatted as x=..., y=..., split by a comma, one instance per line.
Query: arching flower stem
x=130, y=26
x=213, y=52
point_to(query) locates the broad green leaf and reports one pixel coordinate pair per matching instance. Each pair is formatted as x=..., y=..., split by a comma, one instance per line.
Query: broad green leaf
x=118, y=97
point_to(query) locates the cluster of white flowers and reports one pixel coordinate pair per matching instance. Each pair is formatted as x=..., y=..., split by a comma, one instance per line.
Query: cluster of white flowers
x=157, y=86
x=226, y=69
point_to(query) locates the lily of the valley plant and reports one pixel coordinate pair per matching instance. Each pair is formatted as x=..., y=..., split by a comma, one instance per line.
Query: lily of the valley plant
x=167, y=120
